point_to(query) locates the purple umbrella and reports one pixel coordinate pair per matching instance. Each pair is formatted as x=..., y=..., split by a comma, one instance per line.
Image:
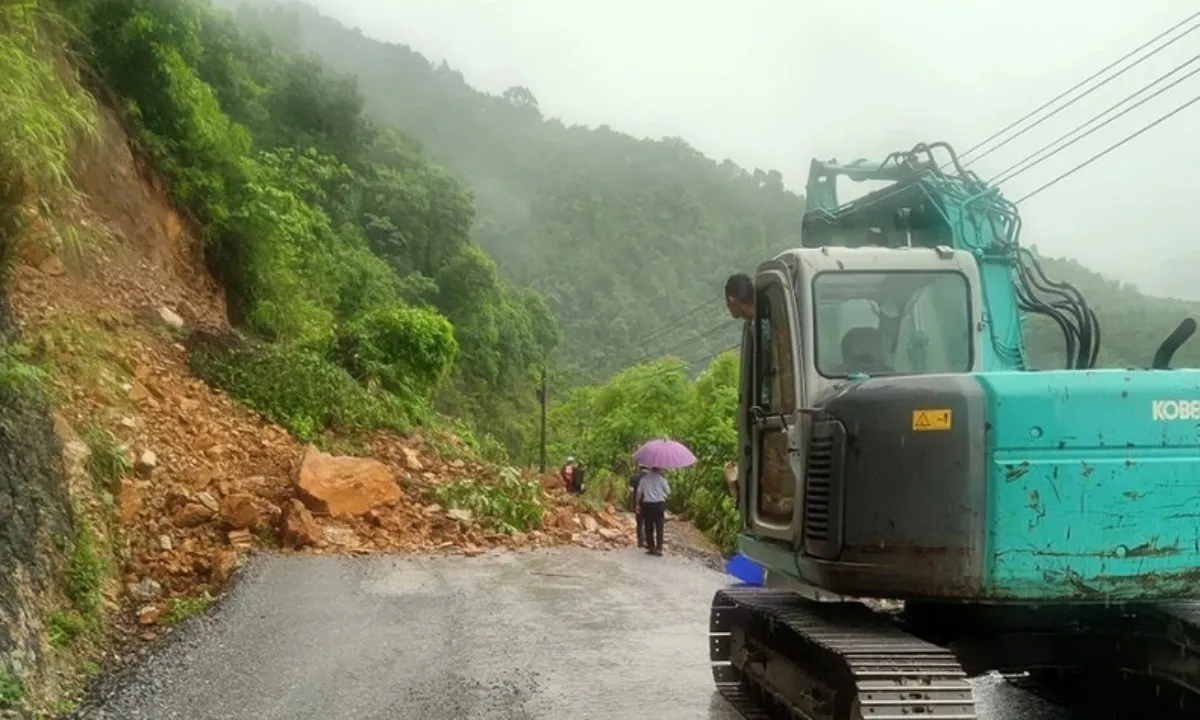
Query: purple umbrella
x=665, y=454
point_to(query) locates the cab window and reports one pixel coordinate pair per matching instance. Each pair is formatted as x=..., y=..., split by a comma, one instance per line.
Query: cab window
x=776, y=366
x=900, y=322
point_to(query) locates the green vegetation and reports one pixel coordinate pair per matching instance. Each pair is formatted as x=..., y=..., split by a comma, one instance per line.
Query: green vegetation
x=616, y=232
x=356, y=266
x=511, y=504
x=18, y=373
x=107, y=460
x=185, y=608
x=43, y=114
x=12, y=690
x=85, y=577
x=64, y=627
x=603, y=425
x=344, y=252
x=298, y=388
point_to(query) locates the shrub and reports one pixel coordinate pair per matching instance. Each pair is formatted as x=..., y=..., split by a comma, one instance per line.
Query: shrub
x=407, y=351
x=510, y=505
x=297, y=388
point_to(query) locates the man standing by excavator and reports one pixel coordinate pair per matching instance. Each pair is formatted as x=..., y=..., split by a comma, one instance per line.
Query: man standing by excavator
x=739, y=296
x=778, y=488
x=740, y=302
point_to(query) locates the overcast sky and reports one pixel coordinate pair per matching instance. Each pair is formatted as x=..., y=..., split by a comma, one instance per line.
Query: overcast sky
x=771, y=83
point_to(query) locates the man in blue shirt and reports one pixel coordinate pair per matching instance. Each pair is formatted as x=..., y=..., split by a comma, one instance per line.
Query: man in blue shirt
x=652, y=494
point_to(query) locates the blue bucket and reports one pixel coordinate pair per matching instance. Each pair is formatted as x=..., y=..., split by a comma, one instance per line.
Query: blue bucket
x=745, y=569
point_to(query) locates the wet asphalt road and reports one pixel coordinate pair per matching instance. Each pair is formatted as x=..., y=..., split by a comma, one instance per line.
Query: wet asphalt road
x=543, y=636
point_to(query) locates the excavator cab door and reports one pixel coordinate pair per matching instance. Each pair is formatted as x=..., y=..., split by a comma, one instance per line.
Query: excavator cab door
x=773, y=427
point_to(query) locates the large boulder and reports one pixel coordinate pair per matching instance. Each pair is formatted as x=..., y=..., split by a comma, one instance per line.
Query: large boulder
x=341, y=486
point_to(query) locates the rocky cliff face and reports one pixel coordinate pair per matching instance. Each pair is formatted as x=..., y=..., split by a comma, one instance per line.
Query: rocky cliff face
x=35, y=527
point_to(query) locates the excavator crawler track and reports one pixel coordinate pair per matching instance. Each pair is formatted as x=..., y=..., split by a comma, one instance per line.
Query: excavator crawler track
x=777, y=655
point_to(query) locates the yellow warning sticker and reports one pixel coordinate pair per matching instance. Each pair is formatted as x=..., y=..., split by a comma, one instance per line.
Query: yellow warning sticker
x=939, y=419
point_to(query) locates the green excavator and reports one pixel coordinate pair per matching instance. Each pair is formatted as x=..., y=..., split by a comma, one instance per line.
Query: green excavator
x=921, y=504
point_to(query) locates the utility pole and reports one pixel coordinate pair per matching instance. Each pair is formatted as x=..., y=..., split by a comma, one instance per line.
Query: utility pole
x=542, y=398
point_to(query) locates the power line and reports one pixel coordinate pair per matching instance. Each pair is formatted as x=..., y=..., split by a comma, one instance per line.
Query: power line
x=1080, y=84
x=686, y=342
x=710, y=356
x=1110, y=148
x=890, y=193
x=674, y=322
x=1004, y=175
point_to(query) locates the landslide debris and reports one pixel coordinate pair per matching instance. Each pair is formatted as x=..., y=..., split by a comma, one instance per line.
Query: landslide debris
x=192, y=482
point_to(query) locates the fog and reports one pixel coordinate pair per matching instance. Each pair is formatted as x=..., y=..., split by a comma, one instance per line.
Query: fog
x=772, y=83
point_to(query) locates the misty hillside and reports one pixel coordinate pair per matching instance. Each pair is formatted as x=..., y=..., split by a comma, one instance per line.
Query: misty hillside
x=619, y=234
x=1132, y=324
x=622, y=234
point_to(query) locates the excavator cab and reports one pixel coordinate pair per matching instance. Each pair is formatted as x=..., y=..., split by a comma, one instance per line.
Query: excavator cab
x=827, y=319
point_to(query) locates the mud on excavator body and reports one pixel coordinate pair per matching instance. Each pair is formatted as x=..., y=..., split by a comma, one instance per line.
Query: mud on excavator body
x=895, y=444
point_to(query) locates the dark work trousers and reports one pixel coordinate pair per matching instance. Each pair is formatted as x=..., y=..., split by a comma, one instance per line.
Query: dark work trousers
x=641, y=521
x=654, y=515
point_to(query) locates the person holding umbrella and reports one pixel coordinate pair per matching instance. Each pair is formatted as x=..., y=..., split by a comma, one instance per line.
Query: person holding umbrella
x=653, y=490
x=652, y=494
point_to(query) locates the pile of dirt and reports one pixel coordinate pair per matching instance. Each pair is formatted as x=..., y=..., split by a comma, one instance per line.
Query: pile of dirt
x=211, y=481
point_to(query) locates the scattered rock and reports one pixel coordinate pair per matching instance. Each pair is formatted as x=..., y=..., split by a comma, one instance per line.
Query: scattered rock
x=206, y=499
x=460, y=514
x=298, y=527
x=169, y=317
x=148, y=615
x=164, y=542
x=412, y=460
x=145, y=463
x=239, y=511
x=240, y=538
x=130, y=501
x=341, y=537
x=221, y=564
x=590, y=524
x=53, y=266
x=138, y=392
x=191, y=515
x=344, y=486
x=147, y=589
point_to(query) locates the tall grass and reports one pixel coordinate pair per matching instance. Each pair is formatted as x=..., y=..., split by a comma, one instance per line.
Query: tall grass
x=44, y=111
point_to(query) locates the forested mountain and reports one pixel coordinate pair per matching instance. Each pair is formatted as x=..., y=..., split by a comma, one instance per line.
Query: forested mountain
x=1132, y=324
x=619, y=234
x=335, y=237
x=622, y=234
